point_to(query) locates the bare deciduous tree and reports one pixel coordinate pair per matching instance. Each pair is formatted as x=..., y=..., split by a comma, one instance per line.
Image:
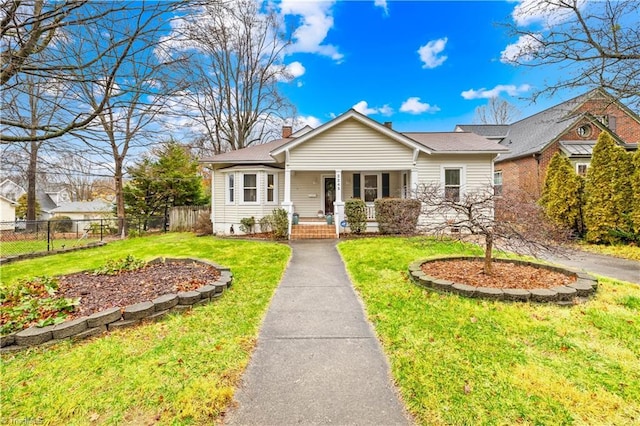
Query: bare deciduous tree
x=497, y=111
x=47, y=40
x=132, y=104
x=518, y=226
x=595, y=43
x=235, y=49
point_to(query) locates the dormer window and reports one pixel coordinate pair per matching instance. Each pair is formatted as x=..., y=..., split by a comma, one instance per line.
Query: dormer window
x=584, y=131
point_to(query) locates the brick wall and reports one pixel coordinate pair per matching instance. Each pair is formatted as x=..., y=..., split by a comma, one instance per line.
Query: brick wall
x=626, y=127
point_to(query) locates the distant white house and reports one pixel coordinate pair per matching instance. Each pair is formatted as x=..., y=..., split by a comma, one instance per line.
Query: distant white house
x=7, y=214
x=83, y=213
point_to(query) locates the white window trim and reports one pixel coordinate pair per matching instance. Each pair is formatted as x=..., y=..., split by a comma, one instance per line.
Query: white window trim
x=463, y=177
x=227, y=201
x=363, y=188
x=582, y=164
x=275, y=187
x=258, y=192
x=495, y=172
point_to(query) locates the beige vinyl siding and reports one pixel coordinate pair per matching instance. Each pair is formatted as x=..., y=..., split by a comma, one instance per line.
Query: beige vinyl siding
x=306, y=192
x=350, y=146
x=478, y=168
x=232, y=213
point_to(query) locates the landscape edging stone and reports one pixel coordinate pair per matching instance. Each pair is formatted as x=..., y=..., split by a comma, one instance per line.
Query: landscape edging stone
x=584, y=286
x=121, y=317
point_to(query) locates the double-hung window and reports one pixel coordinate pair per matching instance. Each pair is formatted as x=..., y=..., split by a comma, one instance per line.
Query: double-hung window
x=370, y=188
x=272, y=185
x=249, y=188
x=497, y=183
x=452, y=183
x=231, y=188
x=581, y=169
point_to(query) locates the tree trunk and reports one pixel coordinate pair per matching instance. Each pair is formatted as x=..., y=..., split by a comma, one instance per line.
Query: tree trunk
x=488, y=251
x=119, y=198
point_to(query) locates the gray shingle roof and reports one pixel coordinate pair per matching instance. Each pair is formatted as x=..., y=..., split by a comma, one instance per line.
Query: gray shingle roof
x=95, y=206
x=453, y=142
x=532, y=134
x=251, y=155
x=492, y=131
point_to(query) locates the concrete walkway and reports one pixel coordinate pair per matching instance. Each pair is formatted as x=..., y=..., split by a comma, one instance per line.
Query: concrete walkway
x=318, y=360
x=608, y=266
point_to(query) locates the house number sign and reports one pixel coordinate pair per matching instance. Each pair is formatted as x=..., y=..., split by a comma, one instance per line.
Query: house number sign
x=338, y=182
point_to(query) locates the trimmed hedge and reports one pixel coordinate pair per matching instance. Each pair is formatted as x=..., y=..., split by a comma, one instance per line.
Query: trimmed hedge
x=356, y=212
x=397, y=215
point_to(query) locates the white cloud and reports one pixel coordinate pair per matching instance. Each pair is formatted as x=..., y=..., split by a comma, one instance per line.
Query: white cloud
x=429, y=53
x=363, y=108
x=509, y=89
x=316, y=19
x=295, y=69
x=545, y=12
x=383, y=5
x=308, y=120
x=521, y=50
x=414, y=106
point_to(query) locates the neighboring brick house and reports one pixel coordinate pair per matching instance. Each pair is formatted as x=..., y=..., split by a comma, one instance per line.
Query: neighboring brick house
x=571, y=128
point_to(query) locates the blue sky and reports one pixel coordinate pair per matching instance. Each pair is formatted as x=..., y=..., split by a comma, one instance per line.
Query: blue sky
x=424, y=65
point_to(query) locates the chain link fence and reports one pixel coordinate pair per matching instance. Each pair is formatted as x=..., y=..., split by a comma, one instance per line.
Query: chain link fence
x=25, y=237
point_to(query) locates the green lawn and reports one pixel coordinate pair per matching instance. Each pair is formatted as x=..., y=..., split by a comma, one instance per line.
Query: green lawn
x=465, y=361
x=182, y=370
x=624, y=251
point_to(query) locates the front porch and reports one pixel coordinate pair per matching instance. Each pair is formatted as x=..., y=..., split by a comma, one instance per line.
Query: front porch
x=312, y=195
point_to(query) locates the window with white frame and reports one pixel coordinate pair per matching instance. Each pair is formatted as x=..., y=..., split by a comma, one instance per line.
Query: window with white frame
x=370, y=188
x=249, y=188
x=497, y=183
x=452, y=183
x=272, y=187
x=581, y=169
x=231, y=188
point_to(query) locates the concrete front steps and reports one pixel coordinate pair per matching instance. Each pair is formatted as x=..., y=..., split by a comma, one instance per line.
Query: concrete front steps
x=312, y=231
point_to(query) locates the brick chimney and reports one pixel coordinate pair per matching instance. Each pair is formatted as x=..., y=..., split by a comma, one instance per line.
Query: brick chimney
x=286, y=131
x=388, y=124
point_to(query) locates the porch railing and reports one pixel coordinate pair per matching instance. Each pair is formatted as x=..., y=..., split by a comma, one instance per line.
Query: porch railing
x=371, y=212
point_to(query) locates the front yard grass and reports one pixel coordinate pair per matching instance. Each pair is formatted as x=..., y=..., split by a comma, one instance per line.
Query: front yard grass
x=467, y=361
x=182, y=370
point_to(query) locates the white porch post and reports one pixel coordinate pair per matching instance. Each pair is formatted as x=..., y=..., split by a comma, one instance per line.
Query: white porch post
x=413, y=184
x=287, y=204
x=338, y=211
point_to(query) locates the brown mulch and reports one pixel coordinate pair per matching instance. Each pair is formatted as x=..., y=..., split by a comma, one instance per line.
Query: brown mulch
x=505, y=275
x=100, y=292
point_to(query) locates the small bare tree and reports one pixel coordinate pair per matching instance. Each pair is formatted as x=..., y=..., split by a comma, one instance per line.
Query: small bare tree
x=505, y=223
x=595, y=43
x=496, y=111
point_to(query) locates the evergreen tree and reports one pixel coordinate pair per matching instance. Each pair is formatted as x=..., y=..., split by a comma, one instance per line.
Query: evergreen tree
x=635, y=186
x=562, y=194
x=171, y=179
x=608, y=192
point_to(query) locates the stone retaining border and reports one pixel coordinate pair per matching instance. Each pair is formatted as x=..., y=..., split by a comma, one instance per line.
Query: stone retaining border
x=127, y=316
x=584, y=286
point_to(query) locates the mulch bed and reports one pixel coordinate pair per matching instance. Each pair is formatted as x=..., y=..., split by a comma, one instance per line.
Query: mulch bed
x=505, y=275
x=100, y=292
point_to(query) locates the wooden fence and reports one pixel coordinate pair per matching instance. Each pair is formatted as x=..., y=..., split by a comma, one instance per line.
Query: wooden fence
x=184, y=218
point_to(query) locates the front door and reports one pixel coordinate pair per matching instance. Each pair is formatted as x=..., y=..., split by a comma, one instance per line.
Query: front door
x=329, y=194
